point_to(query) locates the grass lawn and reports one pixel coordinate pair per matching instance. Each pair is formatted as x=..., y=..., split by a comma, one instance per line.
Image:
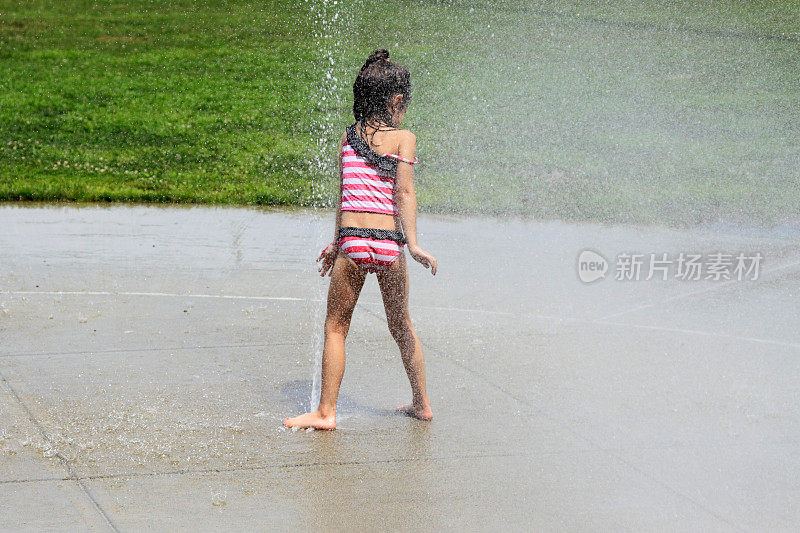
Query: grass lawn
x=629, y=111
x=159, y=102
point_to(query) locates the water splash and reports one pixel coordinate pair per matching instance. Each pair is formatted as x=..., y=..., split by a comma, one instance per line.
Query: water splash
x=332, y=20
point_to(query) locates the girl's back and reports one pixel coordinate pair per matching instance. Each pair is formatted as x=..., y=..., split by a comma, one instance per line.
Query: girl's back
x=369, y=173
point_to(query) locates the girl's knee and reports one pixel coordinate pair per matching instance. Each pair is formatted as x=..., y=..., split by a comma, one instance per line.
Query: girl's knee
x=401, y=329
x=337, y=325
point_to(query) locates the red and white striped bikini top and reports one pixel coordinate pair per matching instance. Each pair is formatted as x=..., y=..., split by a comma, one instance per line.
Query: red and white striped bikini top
x=368, y=177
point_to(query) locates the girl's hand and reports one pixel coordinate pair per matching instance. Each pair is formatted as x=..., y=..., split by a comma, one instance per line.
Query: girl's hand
x=424, y=258
x=328, y=256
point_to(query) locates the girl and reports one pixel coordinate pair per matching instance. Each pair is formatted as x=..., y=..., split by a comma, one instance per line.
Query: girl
x=375, y=218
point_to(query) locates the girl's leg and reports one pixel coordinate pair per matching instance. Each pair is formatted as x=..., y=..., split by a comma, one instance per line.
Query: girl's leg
x=394, y=289
x=346, y=282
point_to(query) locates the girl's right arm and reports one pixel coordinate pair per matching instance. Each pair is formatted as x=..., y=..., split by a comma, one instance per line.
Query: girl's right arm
x=406, y=199
x=328, y=255
x=341, y=187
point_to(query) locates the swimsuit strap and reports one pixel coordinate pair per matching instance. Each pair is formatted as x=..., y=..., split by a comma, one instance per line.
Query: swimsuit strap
x=387, y=164
x=403, y=159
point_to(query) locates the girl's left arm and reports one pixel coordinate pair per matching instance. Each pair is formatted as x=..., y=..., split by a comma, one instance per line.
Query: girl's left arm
x=406, y=199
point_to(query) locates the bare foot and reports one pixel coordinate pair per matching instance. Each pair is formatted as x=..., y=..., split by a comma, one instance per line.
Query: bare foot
x=311, y=420
x=418, y=412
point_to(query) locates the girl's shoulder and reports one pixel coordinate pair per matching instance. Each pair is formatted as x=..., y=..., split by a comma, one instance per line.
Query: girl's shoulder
x=403, y=141
x=407, y=136
x=406, y=146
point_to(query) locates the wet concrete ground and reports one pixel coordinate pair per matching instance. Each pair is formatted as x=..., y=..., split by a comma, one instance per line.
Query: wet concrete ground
x=148, y=356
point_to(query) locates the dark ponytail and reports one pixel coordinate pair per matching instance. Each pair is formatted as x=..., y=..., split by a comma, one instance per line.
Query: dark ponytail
x=378, y=81
x=377, y=55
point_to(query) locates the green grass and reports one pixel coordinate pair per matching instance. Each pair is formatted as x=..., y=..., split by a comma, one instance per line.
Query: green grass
x=629, y=111
x=194, y=103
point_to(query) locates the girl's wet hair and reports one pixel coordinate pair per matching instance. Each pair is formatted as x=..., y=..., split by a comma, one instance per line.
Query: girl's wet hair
x=376, y=84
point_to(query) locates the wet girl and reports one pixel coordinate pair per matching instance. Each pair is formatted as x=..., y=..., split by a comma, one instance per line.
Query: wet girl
x=375, y=218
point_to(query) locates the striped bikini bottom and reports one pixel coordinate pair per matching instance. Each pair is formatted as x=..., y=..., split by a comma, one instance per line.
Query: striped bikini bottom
x=372, y=249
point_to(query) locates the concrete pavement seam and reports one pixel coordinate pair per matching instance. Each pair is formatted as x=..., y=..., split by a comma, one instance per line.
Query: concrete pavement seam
x=72, y=475
x=559, y=319
x=127, y=350
x=190, y=471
